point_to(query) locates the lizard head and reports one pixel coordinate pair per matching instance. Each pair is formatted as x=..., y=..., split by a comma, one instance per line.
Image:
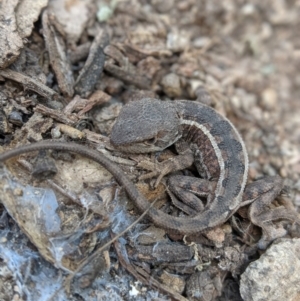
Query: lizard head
x=145, y=126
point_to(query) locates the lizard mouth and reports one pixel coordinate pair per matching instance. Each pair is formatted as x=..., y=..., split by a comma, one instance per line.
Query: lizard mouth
x=141, y=147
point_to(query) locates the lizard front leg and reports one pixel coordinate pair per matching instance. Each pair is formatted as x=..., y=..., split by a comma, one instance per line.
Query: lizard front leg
x=260, y=194
x=182, y=161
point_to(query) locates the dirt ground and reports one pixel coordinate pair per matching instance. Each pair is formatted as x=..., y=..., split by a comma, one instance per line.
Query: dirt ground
x=66, y=69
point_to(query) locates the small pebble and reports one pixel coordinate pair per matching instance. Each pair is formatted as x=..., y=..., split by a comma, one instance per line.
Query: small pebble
x=171, y=85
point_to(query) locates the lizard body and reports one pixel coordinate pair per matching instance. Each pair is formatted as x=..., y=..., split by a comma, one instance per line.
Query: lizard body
x=152, y=125
x=204, y=137
x=213, y=144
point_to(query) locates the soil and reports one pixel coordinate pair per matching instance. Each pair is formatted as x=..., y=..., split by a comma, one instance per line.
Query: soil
x=67, y=76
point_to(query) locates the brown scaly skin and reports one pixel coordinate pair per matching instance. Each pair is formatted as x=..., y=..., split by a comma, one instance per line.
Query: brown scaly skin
x=216, y=148
x=210, y=141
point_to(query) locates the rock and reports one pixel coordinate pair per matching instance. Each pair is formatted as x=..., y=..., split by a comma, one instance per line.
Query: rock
x=171, y=85
x=275, y=275
x=204, y=285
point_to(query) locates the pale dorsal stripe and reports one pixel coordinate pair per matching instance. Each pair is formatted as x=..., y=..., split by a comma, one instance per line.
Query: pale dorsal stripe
x=214, y=145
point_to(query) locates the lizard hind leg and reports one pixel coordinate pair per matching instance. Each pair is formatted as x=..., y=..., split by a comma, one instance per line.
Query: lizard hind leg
x=185, y=193
x=262, y=193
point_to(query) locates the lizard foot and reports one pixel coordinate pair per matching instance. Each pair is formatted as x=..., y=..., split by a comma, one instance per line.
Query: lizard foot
x=158, y=170
x=261, y=193
x=161, y=169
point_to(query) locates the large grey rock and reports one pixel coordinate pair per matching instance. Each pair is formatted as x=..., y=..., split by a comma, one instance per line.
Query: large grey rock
x=275, y=275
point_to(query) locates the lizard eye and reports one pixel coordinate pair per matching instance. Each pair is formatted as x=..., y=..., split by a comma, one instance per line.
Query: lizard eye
x=150, y=141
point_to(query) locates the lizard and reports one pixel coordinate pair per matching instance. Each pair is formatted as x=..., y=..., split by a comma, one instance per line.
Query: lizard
x=204, y=137
x=209, y=140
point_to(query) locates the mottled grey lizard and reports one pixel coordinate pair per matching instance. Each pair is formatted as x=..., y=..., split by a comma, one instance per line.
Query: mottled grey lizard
x=203, y=137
